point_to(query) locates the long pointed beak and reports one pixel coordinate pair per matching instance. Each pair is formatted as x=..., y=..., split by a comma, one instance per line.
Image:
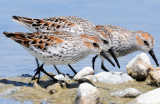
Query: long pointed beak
x=102, y=53
x=154, y=57
x=114, y=56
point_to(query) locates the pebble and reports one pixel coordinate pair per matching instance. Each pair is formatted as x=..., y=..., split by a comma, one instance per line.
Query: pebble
x=84, y=72
x=87, y=94
x=129, y=92
x=55, y=88
x=110, y=77
x=154, y=77
x=62, y=77
x=138, y=67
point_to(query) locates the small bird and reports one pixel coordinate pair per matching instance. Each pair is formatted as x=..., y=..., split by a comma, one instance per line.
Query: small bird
x=125, y=42
x=58, y=48
x=71, y=24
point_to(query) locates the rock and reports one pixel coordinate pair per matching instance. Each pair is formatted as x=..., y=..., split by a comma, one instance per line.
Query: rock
x=137, y=68
x=25, y=75
x=151, y=97
x=112, y=77
x=84, y=80
x=84, y=72
x=154, y=77
x=55, y=87
x=62, y=77
x=10, y=91
x=129, y=92
x=92, y=78
x=87, y=94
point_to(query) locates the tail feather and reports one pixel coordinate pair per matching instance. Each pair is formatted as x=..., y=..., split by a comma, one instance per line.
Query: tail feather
x=19, y=18
x=27, y=22
x=18, y=37
x=44, y=25
x=37, y=40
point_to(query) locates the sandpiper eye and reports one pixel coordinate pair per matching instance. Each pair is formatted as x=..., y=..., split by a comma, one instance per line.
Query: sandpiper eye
x=105, y=42
x=95, y=45
x=145, y=42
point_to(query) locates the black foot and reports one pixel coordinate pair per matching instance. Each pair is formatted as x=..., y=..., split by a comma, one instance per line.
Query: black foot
x=83, y=80
x=40, y=69
x=51, y=76
x=37, y=72
x=71, y=77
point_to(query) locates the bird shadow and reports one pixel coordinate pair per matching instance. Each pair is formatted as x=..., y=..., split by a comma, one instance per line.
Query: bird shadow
x=15, y=83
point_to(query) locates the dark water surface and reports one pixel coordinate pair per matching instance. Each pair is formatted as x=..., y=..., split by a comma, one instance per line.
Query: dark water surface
x=130, y=14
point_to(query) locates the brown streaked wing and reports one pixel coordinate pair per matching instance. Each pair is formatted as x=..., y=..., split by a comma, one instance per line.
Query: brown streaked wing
x=43, y=41
x=55, y=23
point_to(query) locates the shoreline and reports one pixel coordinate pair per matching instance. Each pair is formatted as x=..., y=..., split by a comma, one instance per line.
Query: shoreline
x=22, y=91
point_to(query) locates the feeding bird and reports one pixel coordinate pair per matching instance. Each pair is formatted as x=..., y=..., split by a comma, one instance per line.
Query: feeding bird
x=125, y=42
x=71, y=24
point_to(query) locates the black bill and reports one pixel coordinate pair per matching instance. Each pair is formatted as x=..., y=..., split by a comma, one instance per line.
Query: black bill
x=154, y=57
x=114, y=56
x=102, y=53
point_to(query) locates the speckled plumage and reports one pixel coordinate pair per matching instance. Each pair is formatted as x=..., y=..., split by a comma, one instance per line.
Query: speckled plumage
x=125, y=42
x=57, y=48
x=73, y=24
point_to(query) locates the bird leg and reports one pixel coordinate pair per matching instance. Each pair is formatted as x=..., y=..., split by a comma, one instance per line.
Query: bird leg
x=93, y=61
x=72, y=69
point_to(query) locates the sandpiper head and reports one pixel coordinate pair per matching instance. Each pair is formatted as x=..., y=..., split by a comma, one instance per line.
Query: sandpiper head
x=145, y=43
x=105, y=35
x=92, y=43
x=95, y=45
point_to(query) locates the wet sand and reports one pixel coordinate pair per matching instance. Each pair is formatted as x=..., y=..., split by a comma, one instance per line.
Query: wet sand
x=38, y=93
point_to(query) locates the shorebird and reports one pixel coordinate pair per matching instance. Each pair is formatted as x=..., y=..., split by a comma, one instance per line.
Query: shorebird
x=125, y=42
x=71, y=24
x=59, y=48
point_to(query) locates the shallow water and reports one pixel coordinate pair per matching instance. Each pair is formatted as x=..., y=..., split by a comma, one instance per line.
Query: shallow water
x=10, y=101
x=131, y=14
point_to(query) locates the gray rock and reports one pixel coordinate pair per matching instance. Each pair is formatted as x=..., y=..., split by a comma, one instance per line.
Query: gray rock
x=25, y=75
x=151, y=97
x=10, y=91
x=55, y=88
x=92, y=78
x=87, y=94
x=84, y=72
x=129, y=92
x=62, y=77
x=154, y=77
x=112, y=77
x=138, y=67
